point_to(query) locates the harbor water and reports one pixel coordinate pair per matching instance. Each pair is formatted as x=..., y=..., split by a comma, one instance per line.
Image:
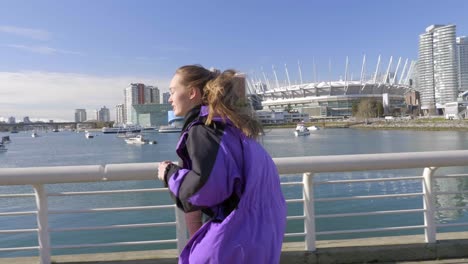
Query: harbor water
x=69, y=148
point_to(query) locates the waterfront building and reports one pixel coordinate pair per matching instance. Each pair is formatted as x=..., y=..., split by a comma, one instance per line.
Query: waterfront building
x=281, y=117
x=438, y=71
x=165, y=97
x=120, y=114
x=11, y=120
x=335, y=98
x=462, y=62
x=104, y=114
x=26, y=120
x=138, y=94
x=80, y=115
x=150, y=115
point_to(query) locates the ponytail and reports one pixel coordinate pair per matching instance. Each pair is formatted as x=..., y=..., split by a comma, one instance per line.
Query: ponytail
x=226, y=98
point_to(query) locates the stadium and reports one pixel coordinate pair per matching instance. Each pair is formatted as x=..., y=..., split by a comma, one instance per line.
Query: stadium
x=335, y=98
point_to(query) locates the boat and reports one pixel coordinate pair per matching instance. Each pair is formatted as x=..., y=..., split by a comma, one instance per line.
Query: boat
x=301, y=130
x=121, y=129
x=34, y=134
x=312, y=128
x=55, y=130
x=139, y=140
x=169, y=129
x=88, y=135
x=5, y=140
x=3, y=148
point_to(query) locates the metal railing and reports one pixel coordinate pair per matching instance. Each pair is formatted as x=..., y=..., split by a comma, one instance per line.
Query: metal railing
x=307, y=166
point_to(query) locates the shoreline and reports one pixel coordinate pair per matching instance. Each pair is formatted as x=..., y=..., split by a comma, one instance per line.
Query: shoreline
x=415, y=124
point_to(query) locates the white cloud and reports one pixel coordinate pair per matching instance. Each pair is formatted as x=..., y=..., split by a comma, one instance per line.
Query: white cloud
x=26, y=32
x=42, y=49
x=53, y=95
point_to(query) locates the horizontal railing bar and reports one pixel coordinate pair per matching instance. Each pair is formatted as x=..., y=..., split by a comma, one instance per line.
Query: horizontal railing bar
x=369, y=162
x=368, y=197
x=135, y=208
x=296, y=217
x=295, y=201
x=294, y=234
x=117, y=244
x=65, y=229
x=370, y=230
x=18, y=231
x=444, y=193
x=370, y=180
x=452, y=208
x=371, y=213
x=292, y=183
x=451, y=224
x=19, y=248
x=450, y=176
x=18, y=213
x=107, y=192
x=18, y=195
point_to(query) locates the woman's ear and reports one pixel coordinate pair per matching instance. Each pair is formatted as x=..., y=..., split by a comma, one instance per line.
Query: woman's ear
x=194, y=93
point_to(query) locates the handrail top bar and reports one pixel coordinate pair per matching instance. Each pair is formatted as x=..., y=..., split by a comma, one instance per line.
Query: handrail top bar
x=378, y=161
x=288, y=165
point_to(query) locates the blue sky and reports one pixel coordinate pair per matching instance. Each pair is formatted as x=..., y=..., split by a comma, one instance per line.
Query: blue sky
x=56, y=56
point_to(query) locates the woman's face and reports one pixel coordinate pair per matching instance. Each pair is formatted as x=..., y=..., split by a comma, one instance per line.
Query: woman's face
x=182, y=97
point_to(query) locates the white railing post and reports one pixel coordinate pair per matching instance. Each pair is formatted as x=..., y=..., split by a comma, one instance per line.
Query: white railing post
x=428, y=202
x=181, y=229
x=309, y=211
x=42, y=224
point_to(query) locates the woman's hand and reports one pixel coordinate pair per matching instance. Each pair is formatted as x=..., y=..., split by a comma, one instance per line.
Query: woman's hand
x=162, y=169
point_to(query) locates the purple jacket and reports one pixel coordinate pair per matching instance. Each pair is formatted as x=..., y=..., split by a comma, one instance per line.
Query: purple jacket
x=233, y=180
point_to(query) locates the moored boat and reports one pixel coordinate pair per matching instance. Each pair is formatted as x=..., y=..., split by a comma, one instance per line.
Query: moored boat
x=301, y=130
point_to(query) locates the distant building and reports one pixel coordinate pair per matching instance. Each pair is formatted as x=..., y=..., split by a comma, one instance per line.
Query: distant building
x=104, y=114
x=462, y=61
x=11, y=120
x=153, y=115
x=138, y=94
x=437, y=68
x=165, y=97
x=120, y=114
x=153, y=95
x=26, y=120
x=281, y=117
x=80, y=115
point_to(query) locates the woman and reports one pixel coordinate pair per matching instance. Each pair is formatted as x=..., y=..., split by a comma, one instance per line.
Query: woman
x=224, y=172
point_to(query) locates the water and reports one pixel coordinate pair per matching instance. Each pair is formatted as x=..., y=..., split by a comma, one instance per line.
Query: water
x=67, y=148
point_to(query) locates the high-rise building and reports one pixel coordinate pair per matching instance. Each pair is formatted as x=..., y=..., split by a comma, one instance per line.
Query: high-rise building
x=437, y=68
x=11, y=120
x=153, y=95
x=165, y=97
x=80, y=115
x=120, y=114
x=462, y=61
x=26, y=120
x=104, y=114
x=138, y=94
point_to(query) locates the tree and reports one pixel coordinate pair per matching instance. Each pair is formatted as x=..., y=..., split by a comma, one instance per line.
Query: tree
x=368, y=108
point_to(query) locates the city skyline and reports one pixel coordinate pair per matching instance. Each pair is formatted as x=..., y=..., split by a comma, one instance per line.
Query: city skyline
x=55, y=59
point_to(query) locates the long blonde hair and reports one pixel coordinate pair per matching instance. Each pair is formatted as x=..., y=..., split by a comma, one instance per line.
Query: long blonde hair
x=224, y=94
x=225, y=97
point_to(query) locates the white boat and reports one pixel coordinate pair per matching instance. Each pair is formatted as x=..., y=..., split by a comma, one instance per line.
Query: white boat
x=139, y=140
x=34, y=134
x=121, y=129
x=5, y=140
x=301, y=130
x=88, y=135
x=3, y=148
x=311, y=128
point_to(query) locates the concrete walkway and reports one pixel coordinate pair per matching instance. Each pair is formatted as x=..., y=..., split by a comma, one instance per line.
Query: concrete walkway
x=450, y=248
